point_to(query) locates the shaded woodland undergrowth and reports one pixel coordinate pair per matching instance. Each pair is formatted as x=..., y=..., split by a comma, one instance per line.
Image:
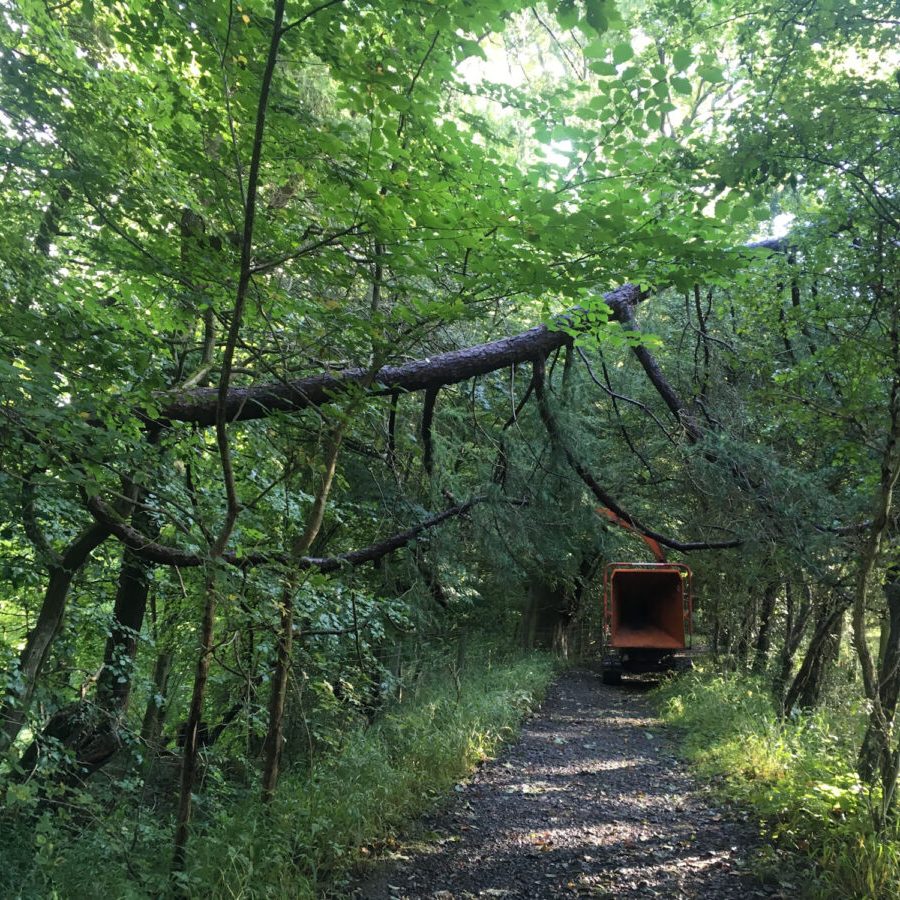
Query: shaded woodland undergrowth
x=335, y=806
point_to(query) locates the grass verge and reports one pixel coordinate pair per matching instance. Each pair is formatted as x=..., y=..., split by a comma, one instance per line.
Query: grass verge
x=796, y=773
x=323, y=821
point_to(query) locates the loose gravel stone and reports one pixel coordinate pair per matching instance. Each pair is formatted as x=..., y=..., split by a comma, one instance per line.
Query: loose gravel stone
x=590, y=802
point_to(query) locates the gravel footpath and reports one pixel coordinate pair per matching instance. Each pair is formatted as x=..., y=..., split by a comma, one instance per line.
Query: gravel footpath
x=589, y=802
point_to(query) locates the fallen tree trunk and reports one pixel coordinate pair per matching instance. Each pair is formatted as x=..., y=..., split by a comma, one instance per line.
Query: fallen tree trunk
x=245, y=404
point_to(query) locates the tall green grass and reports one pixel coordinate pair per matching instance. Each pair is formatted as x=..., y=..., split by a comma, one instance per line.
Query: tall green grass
x=325, y=819
x=797, y=773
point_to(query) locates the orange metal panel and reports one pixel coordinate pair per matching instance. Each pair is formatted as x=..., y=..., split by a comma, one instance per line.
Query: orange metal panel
x=647, y=605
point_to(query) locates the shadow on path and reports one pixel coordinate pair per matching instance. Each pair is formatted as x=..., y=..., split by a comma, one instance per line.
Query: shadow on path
x=590, y=802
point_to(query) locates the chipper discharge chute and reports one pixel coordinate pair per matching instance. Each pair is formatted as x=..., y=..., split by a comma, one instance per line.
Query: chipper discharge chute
x=647, y=618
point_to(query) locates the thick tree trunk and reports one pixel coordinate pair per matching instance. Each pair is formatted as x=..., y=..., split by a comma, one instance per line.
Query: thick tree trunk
x=72, y=724
x=810, y=695
x=260, y=401
x=115, y=682
x=874, y=757
x=37, y=647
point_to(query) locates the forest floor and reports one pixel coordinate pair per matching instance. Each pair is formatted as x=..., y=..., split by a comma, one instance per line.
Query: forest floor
x=590, y=801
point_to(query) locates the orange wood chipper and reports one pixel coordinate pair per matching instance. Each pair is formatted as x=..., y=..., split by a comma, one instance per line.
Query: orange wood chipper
x=647, y=613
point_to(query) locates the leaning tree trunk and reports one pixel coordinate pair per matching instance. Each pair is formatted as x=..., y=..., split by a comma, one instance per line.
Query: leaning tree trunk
x=877, y=747
x=796, y=620
x=806, y=689
x=875, y=758
x=90, y=729
x=37, y=647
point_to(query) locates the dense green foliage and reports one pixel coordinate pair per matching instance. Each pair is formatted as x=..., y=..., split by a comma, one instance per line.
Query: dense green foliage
x=797, y=773
x=248, y=502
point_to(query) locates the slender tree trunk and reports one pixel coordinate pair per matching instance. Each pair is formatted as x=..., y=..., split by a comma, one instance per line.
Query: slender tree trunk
x=764, y=635
x=878, y=739
x=281, y=675
x=158, y=702
x=796, y=620
x=222, y=421
x=195, y=718
x=745, y=630
x=715, y=640
x=278, y=696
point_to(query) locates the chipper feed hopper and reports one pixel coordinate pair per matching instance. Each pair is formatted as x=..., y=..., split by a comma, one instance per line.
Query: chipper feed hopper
x=647, y=618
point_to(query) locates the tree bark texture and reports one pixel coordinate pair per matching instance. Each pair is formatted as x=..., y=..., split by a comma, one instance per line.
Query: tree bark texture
x=873, y=757
x=129, y=609
x=157, y=704
x=881, y=722
x=764, y=634
x=796, y=620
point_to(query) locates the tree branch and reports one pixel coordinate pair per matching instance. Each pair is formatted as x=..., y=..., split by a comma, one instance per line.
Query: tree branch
x=145, y=548
x=595, y=488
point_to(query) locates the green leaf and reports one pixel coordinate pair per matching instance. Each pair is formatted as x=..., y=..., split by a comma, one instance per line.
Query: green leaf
x=681, y=59
x=603, y=68
x=712, y=74
x=622, y=53
x=598, y=14
x=567, y=14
